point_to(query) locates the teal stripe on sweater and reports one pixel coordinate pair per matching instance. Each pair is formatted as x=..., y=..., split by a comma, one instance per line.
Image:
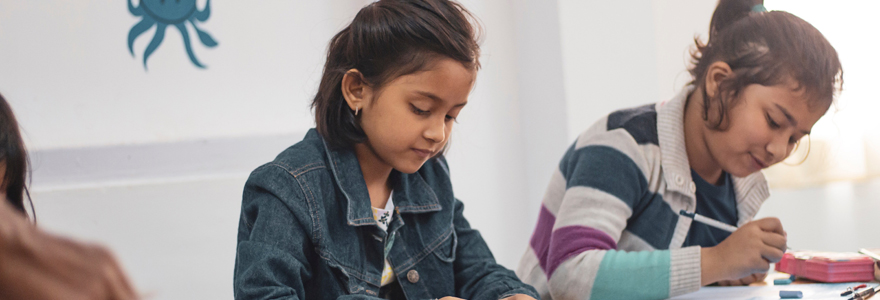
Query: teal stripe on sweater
x=632, y=275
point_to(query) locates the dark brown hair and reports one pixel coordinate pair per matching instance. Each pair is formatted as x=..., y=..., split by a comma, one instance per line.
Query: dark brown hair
x=388, y=39
x=766, y=48
x=12, y=152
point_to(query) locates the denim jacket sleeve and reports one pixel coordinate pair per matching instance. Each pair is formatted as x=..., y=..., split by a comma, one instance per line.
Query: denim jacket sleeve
x=272, y=256
x=477, y=275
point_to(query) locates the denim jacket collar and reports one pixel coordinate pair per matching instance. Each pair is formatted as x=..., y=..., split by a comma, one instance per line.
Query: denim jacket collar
x=411, y=193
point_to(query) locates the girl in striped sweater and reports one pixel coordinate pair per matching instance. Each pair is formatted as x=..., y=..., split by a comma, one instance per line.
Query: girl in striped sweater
x=609, y=226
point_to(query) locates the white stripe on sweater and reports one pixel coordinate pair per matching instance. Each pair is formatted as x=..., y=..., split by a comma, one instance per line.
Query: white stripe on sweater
x=574, y=278
x=555, y=192
x=589, y=207
x=530, y=271
x=631, y=242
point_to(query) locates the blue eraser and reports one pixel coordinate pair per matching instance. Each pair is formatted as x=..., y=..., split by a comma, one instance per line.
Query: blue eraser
x=782, y=281
x=791, y=294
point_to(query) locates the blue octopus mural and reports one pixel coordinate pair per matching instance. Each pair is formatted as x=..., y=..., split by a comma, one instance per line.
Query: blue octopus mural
x=164, y=13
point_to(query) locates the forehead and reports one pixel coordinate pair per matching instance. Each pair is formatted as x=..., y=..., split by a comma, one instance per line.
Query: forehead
x=446, y=78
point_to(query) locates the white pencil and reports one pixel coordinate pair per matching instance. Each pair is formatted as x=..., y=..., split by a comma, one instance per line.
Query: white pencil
x=869, y=253
x=712, y=222
x=708, y=221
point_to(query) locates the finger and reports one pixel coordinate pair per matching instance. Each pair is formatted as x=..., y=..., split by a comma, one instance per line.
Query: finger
x=760, y=276
x=877, y=271
x=771, y=225
x=758, y=265
x=770, y=254
x=120, y=285
x=774, y=240
x=108, y=274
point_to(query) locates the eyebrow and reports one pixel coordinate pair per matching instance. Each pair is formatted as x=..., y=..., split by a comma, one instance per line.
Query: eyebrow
x=790, y=118
x=438, y=99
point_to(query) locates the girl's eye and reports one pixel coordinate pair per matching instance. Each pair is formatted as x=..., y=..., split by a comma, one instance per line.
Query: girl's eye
x=450, y=118
x=418, y=111
x=772, y=123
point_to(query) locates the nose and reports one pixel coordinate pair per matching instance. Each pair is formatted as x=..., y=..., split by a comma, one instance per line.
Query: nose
x=778, y=148
x=436, y=131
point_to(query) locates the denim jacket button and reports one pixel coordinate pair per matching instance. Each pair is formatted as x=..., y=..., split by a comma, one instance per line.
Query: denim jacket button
x=412, y=276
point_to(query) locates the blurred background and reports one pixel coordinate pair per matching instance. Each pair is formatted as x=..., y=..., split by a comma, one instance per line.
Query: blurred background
x=150, y=159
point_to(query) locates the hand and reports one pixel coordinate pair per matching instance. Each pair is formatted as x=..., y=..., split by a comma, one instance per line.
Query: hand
x=37, y=265
x=519, y=297
x=748, y=250
x=757, y=277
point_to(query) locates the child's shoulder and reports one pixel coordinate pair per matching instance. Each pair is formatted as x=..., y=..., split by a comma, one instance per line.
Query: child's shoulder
x=304, y=156
x=623, y=136
x=640, y=122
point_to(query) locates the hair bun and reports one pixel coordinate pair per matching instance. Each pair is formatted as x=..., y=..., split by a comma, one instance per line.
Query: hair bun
x=728, y=12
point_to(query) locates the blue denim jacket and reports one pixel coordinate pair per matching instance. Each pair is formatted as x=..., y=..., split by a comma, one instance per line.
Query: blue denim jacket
x=307, y=232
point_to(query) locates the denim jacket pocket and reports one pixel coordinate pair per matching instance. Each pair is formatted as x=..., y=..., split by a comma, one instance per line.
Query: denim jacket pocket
x=446, y=250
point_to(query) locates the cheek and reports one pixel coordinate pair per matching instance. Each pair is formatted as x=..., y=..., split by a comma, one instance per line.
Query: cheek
x=760, y=136
x=398, y=130
x=749, y=132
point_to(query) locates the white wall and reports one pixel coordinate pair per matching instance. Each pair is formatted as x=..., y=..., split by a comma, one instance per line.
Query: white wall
x=620, y=54
x=512, y=133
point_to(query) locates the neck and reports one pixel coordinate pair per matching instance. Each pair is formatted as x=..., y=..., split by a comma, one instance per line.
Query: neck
x=376, y=173
x=699, y=157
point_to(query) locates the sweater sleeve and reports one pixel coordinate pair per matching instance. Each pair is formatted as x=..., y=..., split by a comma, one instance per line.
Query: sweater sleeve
x=604, y=183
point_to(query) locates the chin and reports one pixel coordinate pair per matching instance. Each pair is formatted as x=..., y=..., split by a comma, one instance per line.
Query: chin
x=742, y=172
x=409, y=168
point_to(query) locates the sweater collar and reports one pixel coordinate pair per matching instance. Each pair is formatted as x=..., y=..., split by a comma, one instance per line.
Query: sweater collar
x=751, y=191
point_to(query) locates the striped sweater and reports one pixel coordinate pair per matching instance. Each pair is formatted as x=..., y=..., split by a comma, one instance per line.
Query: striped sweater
x=609, y=226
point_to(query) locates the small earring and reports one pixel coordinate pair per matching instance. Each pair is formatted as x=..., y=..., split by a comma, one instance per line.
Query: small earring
x=356, y=109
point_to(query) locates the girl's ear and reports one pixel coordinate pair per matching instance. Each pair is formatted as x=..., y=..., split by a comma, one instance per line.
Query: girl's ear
x=355, y=90
x=716, y=73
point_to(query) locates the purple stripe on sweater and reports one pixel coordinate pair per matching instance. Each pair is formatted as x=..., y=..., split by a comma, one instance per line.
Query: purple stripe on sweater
x=540, y=241
x=569, y=241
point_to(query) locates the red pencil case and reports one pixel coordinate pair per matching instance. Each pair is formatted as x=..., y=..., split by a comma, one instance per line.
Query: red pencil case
x=827, y=266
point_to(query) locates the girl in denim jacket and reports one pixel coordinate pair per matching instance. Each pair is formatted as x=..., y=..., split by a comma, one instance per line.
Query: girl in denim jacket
x=363, y=207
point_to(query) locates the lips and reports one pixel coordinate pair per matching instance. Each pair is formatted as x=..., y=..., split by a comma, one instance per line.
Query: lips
x=423, y=152
x=761, y=164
